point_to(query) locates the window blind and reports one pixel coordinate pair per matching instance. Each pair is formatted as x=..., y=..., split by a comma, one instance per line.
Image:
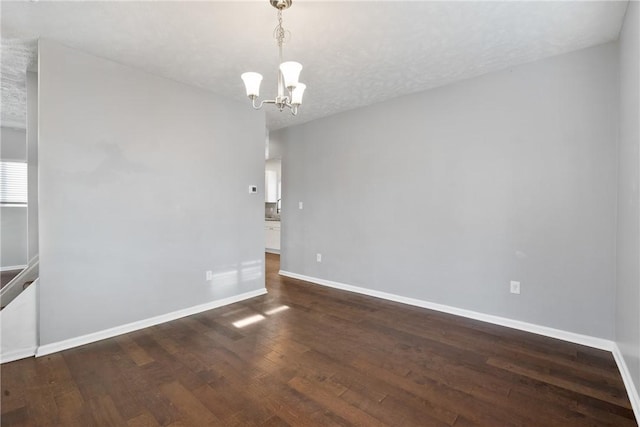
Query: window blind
x=13, y=183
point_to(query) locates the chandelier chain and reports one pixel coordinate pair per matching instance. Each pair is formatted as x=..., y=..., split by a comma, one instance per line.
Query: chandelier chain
x=281, y=35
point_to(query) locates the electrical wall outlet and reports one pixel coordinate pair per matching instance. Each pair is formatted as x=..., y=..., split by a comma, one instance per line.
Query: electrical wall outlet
x=515, y=287
x=209, y=275
x=319, y=257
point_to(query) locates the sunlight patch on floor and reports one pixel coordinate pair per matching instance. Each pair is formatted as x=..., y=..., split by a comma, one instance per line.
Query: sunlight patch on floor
x=248, y=320
x=255, y=318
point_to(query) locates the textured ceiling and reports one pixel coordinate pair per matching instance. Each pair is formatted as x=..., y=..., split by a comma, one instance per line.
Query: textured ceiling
x=354, y=53
x=16, y=57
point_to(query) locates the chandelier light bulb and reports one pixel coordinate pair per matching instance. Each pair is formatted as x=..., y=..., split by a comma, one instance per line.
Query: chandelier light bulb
x=252, y=83
x=296, y=96
x=291, y=73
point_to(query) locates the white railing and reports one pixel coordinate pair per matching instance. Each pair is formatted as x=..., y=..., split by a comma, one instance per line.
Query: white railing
x=15, y=287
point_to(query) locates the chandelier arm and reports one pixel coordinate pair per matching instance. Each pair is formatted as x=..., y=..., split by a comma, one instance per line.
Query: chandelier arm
x=259, y=106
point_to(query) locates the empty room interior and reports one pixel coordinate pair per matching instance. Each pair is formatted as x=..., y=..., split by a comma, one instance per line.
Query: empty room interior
x=301, y=213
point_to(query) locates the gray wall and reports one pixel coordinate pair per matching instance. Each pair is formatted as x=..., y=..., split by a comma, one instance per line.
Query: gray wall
x=13, y=220
x=13, y=228
x=275, y=146
x=14, y=144
x=143, y=187
x=449, y=194
x=628, y=268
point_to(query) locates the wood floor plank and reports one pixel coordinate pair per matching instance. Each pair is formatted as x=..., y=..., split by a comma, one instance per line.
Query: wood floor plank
x=318, y=357
x=105, y=413
x=275, y=421
x=16, y=417
x=136, y=353
x=12, y=384
x=41, y=406
x=604, y=392
x=72, y=410
x=143, y=420
x=333, y=403
x=446, y=398
x=194, y=412
x=219, y=403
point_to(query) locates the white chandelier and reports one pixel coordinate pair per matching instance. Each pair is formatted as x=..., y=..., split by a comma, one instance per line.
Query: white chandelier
x=288, y=72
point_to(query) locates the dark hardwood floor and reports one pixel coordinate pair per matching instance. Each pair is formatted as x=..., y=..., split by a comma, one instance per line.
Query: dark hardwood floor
x=318, y=356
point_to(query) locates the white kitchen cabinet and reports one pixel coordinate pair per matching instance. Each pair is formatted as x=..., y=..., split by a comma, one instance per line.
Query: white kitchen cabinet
x=272, y=236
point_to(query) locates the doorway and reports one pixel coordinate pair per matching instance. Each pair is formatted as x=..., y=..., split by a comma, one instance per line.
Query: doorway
x=272, y=204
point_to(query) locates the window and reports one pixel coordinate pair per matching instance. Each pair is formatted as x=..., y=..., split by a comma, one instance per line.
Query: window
x=13, y=183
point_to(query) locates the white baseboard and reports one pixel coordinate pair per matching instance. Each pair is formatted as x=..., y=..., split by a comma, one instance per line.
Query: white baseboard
x=573, y=337
x=632, y=391
x=43, y=350
x=272, y=251
x=23, y=353
x=13, y=267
